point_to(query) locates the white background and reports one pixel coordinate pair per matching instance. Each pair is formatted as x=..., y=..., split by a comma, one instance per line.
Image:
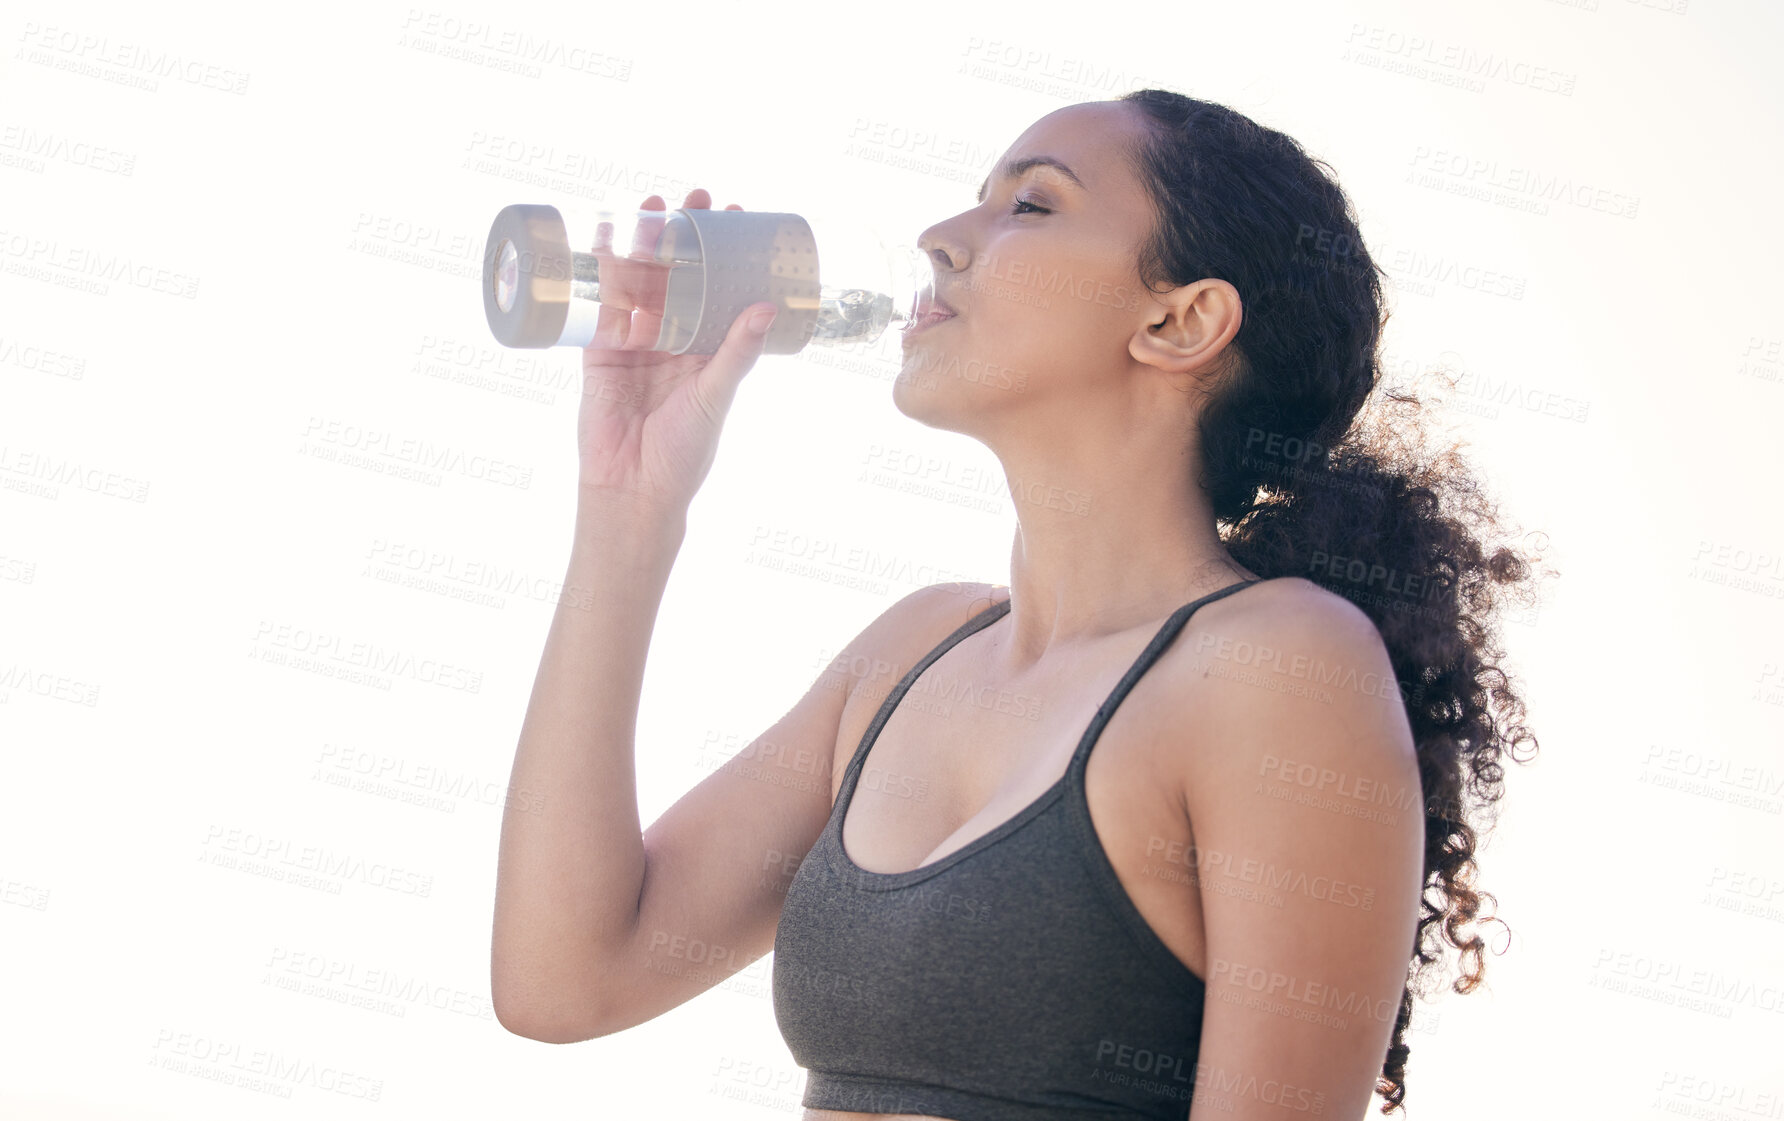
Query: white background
x=236, y=235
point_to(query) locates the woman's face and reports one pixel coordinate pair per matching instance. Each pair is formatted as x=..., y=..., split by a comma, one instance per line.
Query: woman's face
x=1041, y=274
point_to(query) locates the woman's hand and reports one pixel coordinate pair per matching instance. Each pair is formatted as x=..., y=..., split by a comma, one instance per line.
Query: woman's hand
x=649, y=424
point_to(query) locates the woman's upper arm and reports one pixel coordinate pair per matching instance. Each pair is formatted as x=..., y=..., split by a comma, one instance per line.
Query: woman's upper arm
x=1307, y=797
x=719, y=860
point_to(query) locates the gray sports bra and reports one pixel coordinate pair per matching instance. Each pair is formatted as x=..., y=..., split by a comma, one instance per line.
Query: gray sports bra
x=1010, y=980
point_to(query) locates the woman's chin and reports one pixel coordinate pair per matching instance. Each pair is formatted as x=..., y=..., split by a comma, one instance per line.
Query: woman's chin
x=917, y=393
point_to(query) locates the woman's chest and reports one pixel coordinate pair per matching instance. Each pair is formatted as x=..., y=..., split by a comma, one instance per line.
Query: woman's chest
x=955, y=760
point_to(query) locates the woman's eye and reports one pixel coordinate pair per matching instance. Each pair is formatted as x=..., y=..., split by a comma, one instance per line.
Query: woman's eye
x=1016, y=207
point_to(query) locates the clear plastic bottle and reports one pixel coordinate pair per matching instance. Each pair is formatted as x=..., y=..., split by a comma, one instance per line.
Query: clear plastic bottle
x=690, y=272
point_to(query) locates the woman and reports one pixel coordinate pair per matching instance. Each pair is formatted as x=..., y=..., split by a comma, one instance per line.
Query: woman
x=1269, y=620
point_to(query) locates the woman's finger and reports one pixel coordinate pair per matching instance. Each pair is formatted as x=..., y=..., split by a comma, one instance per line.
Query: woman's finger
x=649, y=229
x=610, y=320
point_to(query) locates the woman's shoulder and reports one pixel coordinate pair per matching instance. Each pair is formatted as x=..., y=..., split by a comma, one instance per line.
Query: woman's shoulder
x=1278, y=642
x=1292, y=610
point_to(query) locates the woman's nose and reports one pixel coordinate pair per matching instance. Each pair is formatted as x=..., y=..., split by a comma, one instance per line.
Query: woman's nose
x=944, y=253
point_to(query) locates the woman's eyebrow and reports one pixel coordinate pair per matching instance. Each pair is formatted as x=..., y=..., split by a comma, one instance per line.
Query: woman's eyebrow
x=1014, y=168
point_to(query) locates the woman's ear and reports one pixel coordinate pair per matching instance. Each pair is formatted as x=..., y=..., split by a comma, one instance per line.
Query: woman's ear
x=1187, y=329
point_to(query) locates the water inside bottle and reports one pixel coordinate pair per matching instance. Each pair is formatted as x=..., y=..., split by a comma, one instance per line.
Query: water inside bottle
x=851, y=315
x=641, y=279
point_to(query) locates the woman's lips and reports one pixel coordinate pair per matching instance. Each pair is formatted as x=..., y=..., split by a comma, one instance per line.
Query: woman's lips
x=927, y=320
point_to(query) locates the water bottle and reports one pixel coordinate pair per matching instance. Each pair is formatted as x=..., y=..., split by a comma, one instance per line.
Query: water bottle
x=836, y=281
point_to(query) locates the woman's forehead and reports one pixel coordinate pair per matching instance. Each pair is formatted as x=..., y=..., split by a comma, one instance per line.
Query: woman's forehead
x=1089, y=137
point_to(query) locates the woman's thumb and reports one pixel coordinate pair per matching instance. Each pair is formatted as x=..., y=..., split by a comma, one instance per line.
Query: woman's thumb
x=719, y=380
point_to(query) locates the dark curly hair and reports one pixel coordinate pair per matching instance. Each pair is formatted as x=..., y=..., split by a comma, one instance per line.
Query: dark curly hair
x=1305, y=482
